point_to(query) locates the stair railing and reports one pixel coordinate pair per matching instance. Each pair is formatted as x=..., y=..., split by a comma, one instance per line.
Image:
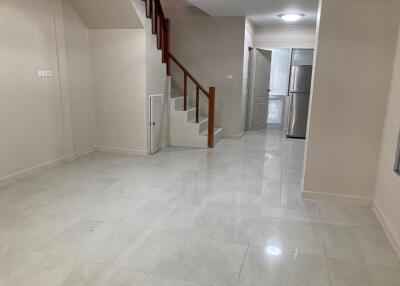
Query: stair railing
x=161, y=27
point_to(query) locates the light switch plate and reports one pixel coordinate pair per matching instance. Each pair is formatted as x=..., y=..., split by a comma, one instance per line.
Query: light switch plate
x=229, y=76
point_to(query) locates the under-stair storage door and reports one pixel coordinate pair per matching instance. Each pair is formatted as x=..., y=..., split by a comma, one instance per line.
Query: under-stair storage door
x=156, y=112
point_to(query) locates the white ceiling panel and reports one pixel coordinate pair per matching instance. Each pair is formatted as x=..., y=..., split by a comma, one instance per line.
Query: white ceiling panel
x=261, y=12
x=107, y=14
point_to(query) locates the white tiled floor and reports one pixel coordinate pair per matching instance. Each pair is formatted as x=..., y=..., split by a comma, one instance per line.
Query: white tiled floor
x=223, y=217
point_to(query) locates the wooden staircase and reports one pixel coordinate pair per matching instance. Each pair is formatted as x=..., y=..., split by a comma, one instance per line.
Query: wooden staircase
x=161, y=28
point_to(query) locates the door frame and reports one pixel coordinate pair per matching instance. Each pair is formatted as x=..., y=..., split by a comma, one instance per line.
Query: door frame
x=149, y=126
x=251, y=93
x=250, y=89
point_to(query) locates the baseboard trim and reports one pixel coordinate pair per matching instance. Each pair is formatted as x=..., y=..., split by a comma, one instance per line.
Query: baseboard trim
x=354, y=200
x=34, y=170
x=121, y=151
x=183, y=142
x=232, y=136
x=387, y=227
x=84, y=152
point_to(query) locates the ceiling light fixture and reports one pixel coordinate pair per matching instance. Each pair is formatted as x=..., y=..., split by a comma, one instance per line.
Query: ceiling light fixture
x=291, y=17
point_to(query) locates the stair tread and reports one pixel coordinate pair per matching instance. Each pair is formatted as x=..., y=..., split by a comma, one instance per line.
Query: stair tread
x=201, y=120
x=216, y=130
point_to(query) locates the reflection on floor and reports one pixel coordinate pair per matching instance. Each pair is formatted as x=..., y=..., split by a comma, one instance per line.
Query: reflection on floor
x=230, y=216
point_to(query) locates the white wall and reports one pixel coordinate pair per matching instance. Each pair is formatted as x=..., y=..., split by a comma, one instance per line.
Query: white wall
x=47, y=120
x=79, y=81
x=119, y=84
x=248, y=43
x=351, y=81
x=32, y=109
x=285, y=36
x=156, y=73
x=387, y=190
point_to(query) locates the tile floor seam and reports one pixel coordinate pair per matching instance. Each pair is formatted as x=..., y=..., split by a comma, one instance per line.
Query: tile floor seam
x=329, y=271
x=243, y=263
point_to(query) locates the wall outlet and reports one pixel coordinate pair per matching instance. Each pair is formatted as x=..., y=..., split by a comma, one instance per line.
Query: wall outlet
x=229, y=77
x=41, y=73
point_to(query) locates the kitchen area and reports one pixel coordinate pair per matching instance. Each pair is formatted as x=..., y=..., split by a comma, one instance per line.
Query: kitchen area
x=289, y=96
x=279, y=90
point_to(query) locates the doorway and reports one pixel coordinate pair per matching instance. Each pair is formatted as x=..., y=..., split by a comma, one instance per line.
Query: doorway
x=273, y=75
x=279, y=82
x=258, y=89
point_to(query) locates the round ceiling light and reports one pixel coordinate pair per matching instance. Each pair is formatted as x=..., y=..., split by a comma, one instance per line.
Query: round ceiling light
x=291, y=17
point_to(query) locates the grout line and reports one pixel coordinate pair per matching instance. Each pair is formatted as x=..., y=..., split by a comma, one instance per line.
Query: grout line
x=242, y=266
x=320, y=225
x=329, y=271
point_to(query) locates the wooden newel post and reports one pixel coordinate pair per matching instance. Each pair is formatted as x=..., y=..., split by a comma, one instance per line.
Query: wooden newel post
x=197, y=103
x=185, y=91
x=211, y=116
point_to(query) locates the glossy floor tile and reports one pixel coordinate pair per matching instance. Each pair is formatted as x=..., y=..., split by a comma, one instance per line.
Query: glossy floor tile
x=203, y=261
x=67, y=271
x=289, y=235
x=351, y=274
x=231, y=216
x=271, y=266
x=359, y=244
x=163, y=281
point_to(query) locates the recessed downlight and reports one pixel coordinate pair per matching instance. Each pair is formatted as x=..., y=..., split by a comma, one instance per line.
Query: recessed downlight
x=291, y=17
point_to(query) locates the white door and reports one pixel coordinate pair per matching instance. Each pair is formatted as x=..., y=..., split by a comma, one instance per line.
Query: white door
x=249, y=90
x=261, y=89
x=156, y=111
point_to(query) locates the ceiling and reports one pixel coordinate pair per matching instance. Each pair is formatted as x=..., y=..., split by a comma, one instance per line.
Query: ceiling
x=107, y=14
x=261, y=12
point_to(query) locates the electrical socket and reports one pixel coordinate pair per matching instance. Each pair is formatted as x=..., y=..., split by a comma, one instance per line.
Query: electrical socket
x=42, y=73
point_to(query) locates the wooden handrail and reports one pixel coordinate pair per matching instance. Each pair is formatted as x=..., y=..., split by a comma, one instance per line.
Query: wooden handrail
x=197, y=103
x=188, y=74
x=185, y=94
x=161, y=28
x=161, y=12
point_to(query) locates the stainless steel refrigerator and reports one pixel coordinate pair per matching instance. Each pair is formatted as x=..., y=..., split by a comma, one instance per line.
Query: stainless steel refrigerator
x=299, y=98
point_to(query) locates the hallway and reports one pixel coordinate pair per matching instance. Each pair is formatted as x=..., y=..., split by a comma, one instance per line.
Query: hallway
x=188, y=217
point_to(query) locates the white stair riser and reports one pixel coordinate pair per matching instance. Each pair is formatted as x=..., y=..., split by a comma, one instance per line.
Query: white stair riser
x=183, y=128
x=179, y=103
x=218, y=137
x=191, y=114
x=203, y=126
